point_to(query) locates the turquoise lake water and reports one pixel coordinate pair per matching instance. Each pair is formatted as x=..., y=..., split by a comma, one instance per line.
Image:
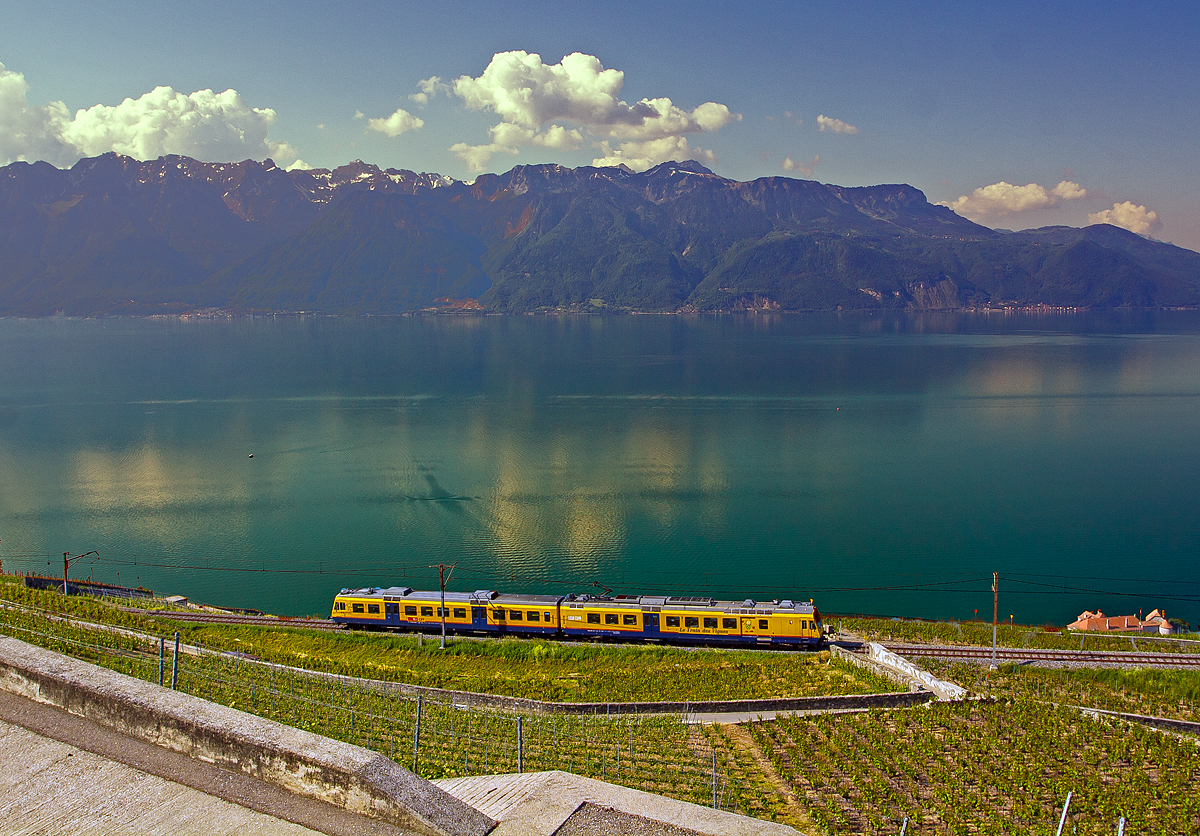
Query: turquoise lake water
x=878, y=464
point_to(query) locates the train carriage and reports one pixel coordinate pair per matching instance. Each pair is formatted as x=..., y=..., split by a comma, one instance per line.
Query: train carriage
x=531, y=615
x=619, y=617
x=402, y=608
x=709, y=621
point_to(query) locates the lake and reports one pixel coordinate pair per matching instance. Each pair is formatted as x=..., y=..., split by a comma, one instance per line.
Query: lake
x=883, y=464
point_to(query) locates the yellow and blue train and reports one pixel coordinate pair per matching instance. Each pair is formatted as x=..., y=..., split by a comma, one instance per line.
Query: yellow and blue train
x=667, y=619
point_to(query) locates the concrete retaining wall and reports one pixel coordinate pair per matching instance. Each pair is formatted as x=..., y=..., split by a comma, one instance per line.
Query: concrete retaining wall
x=868, y=664
x=339, y=773
x=1166, y=723
x=944, y=690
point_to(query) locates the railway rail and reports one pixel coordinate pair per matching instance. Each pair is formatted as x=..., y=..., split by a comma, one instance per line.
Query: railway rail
x=952, y=652
x=237, y=618
x=1031, y=655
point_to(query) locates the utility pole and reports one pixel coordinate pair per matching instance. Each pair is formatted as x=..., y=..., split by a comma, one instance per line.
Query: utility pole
x=995, y=611
x=68, y=560
x=442, y=567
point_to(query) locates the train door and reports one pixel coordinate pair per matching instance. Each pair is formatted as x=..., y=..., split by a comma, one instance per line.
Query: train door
x=650, y=624
x=479, y=618
x=391, y=613
x=758, y=627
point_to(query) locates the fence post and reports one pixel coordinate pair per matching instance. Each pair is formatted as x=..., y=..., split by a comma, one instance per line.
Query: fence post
x=904, y=826
x=1062, y=821
x=162, y=652
x=175, y=664
x=1121, y=826
x=417, y=732
x=520, y=744
x=714, y=777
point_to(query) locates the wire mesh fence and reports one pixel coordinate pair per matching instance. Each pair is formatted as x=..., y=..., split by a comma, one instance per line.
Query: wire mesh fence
x=436, y=738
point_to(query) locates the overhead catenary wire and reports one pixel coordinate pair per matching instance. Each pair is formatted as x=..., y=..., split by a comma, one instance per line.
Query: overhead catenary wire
x=966, y=584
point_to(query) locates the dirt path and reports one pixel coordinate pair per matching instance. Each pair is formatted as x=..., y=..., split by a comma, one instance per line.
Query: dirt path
x=744, y=743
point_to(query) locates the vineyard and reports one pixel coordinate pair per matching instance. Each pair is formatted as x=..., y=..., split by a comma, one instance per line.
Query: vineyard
x=655, y=753
x=1150, y=691
x=999, y=765
x=984, y=768
x=542, y=670
x=979, y=634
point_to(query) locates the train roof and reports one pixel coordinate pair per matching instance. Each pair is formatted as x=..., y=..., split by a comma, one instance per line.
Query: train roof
x=653, y=603
x=478, y=597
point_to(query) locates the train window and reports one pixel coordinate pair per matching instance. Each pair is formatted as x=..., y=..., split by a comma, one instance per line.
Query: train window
x=593, y=618
x=373, y=608
x=691, y=621
x=410, y=610
x=499, y=615
x=426, y=611
x=515, y=615
x=460, y=613
x=612, y=618
x=729, y=623
x=358, y=607
x=547, y=615
x=672, y=621
x=629, y=620
x=710, y=624
x=763, y=624
x=533, y=616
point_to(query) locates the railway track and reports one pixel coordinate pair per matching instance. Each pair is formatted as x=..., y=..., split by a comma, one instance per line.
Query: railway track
x=1078, y=657
x=236, y=618
x=972, y=654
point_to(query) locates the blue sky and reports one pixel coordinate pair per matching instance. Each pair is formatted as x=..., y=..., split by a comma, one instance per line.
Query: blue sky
x=1054, y=112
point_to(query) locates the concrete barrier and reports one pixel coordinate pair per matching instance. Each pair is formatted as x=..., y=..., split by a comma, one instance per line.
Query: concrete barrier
x=945, y=691
x=867, y=664
x=1163, y=723
x=307, y=764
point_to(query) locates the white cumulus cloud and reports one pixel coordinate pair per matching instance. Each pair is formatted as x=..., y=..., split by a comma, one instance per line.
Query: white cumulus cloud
x=205, y=125
x=1003, y=199
x=533, y=99
x=507, y=139
x=641, y=155
x=477, y=157
x=428, y=89
x=805, y=169
x=826, y=123
x=29, y=133
x=399, y=122
x=1128, y=215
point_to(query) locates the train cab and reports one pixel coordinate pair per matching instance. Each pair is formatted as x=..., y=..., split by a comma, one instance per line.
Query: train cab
x=401, y=608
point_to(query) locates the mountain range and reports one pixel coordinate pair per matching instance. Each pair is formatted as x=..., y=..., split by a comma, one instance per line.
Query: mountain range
x=113, y=235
